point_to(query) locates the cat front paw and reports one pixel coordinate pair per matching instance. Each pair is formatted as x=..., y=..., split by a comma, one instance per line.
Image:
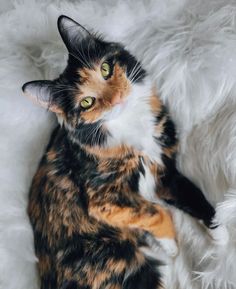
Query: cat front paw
x=169, y=246
x=219, y=234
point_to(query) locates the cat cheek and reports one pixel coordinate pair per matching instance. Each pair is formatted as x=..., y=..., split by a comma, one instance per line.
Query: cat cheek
x=92, y=115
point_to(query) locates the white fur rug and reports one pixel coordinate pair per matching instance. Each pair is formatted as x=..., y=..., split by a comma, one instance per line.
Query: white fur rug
x=189, y=47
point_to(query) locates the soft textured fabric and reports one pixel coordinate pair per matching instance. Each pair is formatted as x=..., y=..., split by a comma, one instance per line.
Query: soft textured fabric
x=189, y=49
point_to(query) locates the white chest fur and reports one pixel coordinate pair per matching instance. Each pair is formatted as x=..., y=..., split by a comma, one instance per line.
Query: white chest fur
x=133, y=123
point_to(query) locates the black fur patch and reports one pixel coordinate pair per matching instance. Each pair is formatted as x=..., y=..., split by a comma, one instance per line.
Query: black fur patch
x=185, y=195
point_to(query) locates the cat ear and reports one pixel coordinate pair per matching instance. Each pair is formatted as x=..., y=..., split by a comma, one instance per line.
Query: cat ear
x=71, y=32
x=40, y=92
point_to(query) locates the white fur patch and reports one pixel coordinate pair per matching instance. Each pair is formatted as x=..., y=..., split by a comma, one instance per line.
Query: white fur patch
x=147, y=185
x=169, y=246
x=132, y=123
x=155, y=244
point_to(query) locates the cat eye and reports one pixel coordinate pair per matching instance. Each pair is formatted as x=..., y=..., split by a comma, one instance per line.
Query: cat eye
x=87, y=102
x=105, y=70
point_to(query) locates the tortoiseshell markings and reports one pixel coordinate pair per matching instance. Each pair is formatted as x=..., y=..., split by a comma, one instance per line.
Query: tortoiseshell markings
x=85, y=205
x=156, y=221
x=171, y=151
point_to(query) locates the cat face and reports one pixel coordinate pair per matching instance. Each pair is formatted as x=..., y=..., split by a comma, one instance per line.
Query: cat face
x=97, y=85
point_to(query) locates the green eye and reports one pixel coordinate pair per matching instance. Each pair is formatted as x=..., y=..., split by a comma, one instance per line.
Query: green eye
x=105, y=69
x=87, y=102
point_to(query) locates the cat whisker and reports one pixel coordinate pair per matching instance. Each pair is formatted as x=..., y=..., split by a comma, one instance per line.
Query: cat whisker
x=89, y=58
x=135, y=74
x=96, y=50
x=99, y=135
x=132, y=72
x=91, y=132
x=96, y=136
x=83, y=55
x=137, y=79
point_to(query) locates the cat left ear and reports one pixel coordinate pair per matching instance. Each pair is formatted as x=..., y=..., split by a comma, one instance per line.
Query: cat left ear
x=71, y=32
x=40, y=92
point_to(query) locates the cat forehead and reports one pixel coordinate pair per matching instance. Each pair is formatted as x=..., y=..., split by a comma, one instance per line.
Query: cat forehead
x=90, y=50
x=92, y=82
x=86, y=68
x=88, y=73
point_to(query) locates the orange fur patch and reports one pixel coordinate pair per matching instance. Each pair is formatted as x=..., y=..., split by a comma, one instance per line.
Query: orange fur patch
x=170, y=151
x=156, y=103
x=51, y=155
x=109, y=152
x=44, y=265
x=159, y=128
x=159, y=223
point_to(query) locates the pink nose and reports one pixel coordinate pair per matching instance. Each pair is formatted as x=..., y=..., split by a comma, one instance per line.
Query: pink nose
x=116, y=99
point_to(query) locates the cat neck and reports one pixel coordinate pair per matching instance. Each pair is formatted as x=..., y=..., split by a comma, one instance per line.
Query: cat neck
x=133, y=131
x=136, y=127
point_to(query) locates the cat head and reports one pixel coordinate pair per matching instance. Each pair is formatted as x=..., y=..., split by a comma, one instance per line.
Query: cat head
x=95, y=87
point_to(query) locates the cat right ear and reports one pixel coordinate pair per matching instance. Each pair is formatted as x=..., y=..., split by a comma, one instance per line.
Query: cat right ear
x=40, y=92
x=72, y=33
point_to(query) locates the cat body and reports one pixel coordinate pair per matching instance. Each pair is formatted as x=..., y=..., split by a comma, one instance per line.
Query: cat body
x=95, y=201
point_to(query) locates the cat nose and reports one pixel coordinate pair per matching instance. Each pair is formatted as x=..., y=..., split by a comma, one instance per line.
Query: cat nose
x=116, y=99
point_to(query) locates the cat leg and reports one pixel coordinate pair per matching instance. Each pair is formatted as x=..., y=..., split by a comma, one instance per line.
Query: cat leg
x=169, y=246
x=175, y=189
x=163, y=234
x=149, y=217
x=179, y=191
x=155, y=244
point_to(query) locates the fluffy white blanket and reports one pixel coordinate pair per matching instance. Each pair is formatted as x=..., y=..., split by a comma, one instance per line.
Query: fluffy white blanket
x=189, y=47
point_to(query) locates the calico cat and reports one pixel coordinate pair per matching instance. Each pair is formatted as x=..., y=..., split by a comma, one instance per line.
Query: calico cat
x=93, y=202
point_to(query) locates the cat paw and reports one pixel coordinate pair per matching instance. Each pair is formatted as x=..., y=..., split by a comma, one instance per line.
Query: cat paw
x=156, y=245
x=169, y=246
x=220, y=235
